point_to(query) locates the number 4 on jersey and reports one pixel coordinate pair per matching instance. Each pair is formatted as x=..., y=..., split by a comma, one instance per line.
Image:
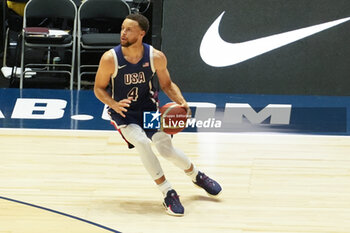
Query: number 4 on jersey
x=134, y=93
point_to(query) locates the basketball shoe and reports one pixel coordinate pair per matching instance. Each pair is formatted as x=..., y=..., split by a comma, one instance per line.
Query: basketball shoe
x=172, y=204
x=212, y=187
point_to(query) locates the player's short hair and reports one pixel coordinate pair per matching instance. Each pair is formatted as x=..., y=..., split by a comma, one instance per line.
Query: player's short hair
x=142, y=20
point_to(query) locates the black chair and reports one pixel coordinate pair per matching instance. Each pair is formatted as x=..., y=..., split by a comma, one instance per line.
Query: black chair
x=77, y=3
x=56, y=47
x=12, y=27
x=99, y=25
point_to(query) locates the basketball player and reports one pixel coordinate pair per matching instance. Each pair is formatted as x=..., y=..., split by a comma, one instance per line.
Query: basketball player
x=129, y=69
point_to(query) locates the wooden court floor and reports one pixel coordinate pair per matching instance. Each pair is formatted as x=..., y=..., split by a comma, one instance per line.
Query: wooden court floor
x=88, y=181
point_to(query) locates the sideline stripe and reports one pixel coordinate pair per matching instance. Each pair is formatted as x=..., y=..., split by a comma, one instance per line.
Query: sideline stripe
x=61, y=213
x=113, y=132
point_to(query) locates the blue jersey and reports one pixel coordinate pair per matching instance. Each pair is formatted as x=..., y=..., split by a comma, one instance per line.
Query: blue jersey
x=135, y=81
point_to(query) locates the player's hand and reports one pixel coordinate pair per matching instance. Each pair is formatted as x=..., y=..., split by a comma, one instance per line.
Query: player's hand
x=120, y=107
x=188, y=109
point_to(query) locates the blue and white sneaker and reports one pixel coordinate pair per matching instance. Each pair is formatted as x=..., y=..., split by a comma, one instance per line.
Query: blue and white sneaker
x=212, y=187
x=172, y=204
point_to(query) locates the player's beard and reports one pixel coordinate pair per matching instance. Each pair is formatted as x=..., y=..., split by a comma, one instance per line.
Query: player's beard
x=128, y=43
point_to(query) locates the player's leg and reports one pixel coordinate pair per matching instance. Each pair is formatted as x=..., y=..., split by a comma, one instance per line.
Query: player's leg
x=166, y=149
x=135, y=135
x=163, y=143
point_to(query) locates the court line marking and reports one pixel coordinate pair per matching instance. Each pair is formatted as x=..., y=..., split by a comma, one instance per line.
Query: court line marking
x=113, y=132
x=60, y=213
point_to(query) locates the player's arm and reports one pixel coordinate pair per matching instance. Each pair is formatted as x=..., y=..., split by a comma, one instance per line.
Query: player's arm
x=165, y=82
x=103, y=76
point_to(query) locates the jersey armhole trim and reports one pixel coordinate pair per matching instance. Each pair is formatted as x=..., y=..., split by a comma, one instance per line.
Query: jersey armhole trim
x=151, y=58
x=115, y=64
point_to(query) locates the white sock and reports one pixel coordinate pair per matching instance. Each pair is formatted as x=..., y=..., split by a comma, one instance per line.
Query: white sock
x=193, y=174
x=165, y=187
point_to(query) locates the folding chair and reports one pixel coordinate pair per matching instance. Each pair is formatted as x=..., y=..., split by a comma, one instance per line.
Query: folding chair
x=99, y=25
x=12, y=27
x=49, y=28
